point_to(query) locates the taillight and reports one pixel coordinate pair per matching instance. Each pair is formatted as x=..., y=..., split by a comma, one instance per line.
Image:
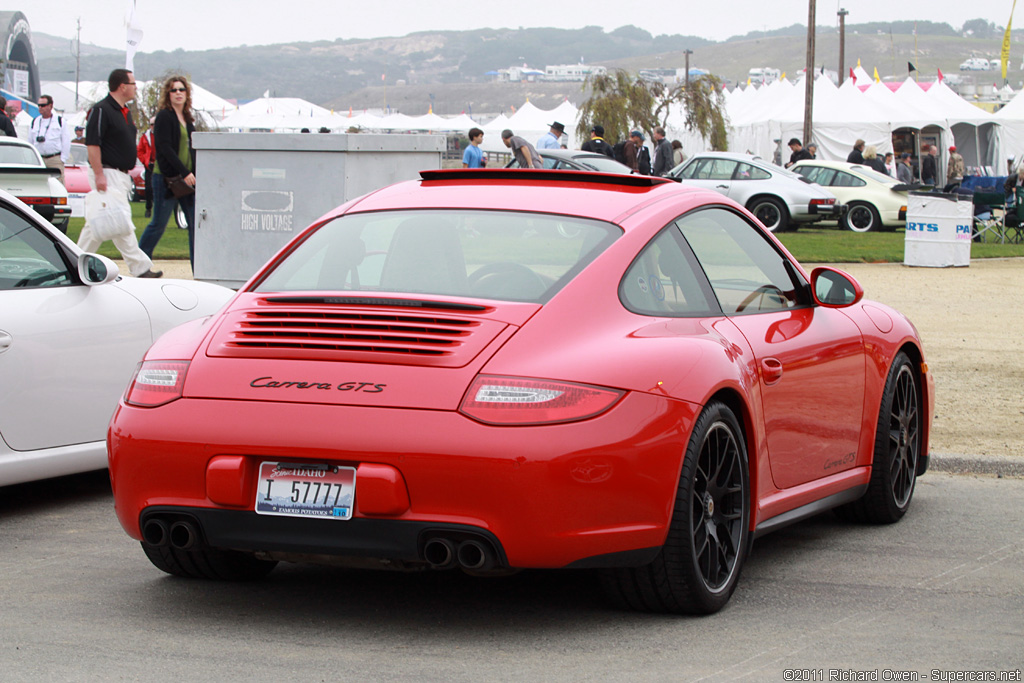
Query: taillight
x=156, y=383
x=819, y=202
x=526, y=401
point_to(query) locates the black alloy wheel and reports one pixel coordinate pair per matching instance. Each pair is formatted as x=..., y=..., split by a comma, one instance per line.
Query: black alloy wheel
x=862, y=217
x=698, y=568
x=772, y=213
x=897, y=450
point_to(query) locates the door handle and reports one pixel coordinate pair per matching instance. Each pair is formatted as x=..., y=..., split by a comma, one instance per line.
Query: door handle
x=771, y=370
x=5, y=341
x=722, y=187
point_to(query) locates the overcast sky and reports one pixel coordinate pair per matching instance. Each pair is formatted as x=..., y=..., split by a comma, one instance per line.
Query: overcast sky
x=210, y=24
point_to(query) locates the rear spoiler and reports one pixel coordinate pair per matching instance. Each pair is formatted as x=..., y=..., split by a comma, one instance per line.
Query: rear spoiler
x=542, y=175
x=29, y=170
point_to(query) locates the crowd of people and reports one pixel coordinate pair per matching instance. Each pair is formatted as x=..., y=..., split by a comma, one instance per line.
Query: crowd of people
x=631, y=152
x=165, y=150
x=113, y=145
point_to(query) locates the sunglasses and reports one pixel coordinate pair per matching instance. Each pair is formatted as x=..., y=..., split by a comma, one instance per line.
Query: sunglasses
x=177, y=90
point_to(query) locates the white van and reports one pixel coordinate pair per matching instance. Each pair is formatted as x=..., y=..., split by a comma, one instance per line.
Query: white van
x=975, y=64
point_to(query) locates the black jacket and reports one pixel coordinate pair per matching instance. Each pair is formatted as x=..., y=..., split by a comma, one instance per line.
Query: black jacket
x=7, y=126
x=166, y=139
x=599, y=146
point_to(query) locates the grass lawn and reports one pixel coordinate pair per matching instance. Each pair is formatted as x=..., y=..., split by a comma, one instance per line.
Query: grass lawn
x=173, y=245
x=834, y=245
x=811, y=245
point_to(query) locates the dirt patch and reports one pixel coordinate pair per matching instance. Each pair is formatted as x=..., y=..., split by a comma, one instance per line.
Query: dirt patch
x=972, y=323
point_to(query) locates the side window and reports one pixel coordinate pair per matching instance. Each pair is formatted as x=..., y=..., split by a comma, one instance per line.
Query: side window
x=665, y=280
x=723, y=169
x=687, y=170
x=28, y=256
x=747, y=274
x=847, y=180
x=748, y=172
x=702, y=169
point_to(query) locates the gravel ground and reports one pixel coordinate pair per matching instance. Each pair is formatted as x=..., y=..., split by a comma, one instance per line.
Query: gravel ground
x=972, y=323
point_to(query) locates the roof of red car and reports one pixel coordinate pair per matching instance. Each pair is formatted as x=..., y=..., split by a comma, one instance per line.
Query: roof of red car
x=586, y=194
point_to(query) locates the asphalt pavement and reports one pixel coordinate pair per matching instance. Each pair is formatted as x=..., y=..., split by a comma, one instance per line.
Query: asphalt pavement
x=936, y=595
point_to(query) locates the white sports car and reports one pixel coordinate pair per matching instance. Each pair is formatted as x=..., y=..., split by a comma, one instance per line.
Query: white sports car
x=779, y=198
x=72, y=331
x=875, y=201
x=23, y=174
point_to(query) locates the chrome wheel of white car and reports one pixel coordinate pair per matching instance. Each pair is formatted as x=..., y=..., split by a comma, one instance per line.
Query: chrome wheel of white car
x=861, y=217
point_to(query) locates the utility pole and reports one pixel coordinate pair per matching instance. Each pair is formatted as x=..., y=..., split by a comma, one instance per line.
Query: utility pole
x=687, y=52
x=842, y=44
x=809, y=75
x=78, y=58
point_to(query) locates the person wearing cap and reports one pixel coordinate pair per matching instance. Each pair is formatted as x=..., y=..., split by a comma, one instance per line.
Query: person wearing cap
x=525, y=153
x=904, y=171
x=955, y=170
x=552, y=139
x=637, y=156
x=79, y=135
x=597, y=143
x=798, y=150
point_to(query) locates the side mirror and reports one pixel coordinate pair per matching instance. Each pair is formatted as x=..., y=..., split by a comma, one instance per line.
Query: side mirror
x=834, y=288
x=94, y=269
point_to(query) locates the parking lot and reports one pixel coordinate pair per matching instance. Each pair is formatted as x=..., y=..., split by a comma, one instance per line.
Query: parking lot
x=941, y=590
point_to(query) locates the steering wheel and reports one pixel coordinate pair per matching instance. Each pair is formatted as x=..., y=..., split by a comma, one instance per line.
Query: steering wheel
x=760, y=293
x=39, y=278
x=517, y=277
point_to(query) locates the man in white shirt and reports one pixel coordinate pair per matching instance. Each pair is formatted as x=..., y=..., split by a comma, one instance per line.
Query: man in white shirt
x=49, y=135
x=552, y=139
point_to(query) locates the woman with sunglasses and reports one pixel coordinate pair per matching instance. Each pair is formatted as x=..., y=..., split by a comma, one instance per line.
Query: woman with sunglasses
x=175, y=159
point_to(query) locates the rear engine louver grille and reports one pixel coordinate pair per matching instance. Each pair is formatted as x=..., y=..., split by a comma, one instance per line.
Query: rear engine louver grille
x=353, y=335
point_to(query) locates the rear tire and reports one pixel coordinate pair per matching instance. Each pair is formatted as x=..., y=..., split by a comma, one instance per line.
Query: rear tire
x=897, y=450
x=772, y=213
x=208, y=563
x=698, y=567
x=862, y=217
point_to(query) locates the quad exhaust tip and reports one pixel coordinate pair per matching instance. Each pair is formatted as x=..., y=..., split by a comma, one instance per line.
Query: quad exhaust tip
x=181, y=535
x=443, y=553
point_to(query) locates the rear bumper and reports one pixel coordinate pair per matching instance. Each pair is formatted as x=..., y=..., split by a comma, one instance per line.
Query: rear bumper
x=826, y=212
x=549, y=496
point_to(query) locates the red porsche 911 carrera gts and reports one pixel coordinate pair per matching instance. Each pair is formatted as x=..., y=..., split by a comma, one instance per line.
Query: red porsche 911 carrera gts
x=502, y=369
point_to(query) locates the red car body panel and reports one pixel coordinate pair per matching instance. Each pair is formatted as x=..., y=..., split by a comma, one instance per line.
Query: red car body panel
x=556, y=494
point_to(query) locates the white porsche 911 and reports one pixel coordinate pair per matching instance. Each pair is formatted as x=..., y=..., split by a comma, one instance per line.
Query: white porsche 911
x=72, y=331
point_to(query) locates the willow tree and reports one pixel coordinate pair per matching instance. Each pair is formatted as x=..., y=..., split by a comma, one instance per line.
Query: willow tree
x=619, y=102
x=705, y=110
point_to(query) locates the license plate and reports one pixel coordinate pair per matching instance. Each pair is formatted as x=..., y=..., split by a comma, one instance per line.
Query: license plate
x=297, y=490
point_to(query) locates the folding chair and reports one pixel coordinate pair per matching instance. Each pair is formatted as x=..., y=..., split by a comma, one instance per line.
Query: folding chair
x=1014, y=230
x=995, y=224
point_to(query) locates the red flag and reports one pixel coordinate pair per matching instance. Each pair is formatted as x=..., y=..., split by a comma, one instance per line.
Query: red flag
x=940, y=75
x=853, y=76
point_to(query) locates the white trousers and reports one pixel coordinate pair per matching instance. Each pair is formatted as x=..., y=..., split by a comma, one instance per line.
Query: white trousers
x=118, y=186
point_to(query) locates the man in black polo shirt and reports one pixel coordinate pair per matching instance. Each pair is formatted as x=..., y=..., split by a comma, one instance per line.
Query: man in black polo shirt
x=110, y=142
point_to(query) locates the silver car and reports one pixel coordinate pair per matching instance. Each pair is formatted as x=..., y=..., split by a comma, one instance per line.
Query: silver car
x=777, y=197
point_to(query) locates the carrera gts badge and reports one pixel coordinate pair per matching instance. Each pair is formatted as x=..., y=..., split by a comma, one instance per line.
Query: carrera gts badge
x=271, y=383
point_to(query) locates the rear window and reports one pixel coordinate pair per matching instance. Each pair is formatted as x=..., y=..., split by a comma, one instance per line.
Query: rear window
x=510, y=256
x=18, y=154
